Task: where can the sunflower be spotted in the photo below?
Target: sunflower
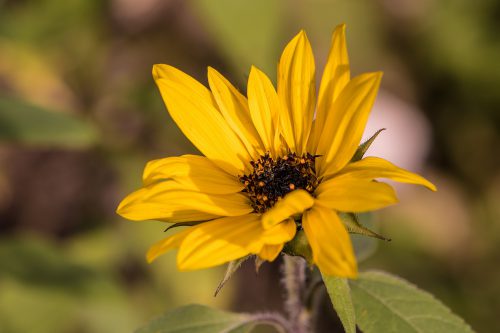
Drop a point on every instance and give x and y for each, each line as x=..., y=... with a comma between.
x=274, y=162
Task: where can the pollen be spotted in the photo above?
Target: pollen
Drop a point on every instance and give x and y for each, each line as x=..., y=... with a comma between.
x=271, y=179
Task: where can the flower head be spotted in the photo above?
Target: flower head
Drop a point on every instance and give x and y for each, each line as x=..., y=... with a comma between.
x=275, y=162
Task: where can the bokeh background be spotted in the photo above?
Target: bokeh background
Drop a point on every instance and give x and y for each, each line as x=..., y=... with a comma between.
x=80, y=116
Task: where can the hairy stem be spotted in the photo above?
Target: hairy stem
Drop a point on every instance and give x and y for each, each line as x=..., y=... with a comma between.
x=294, y=281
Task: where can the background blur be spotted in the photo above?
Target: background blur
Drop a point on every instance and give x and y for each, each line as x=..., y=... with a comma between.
x=80, y=116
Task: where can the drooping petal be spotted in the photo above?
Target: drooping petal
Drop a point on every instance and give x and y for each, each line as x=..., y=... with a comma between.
x=330, y=243
x=217, y=242
x=194, y=172
x=345, y=124
x=371, y=168
x=270, y=252
x=169, y=201
x=293, y=203
x=234, y=107
x=167, y=244
x=296, y=90
x=335, y=77
x=348, y=194
x=193, y=109
x=264, y=105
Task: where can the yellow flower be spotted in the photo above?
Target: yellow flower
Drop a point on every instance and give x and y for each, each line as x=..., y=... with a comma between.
x=271, y=164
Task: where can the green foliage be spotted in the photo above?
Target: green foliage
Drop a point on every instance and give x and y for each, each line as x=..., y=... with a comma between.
x=24, y=123
x=386, y=303
x=244, y=42
x=199, y=319
x=340, y=295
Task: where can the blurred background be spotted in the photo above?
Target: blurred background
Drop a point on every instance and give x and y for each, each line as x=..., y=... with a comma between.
x=80, y=116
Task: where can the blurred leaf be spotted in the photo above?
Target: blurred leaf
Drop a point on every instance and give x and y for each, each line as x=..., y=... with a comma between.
x=247, y=32
x=386, y=303
x=340, y=295
x=43, y=290
x=199, y=319
x=24, y=123
x=27, y=308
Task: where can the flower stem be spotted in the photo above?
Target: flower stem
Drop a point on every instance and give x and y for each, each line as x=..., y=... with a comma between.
x=294, y=281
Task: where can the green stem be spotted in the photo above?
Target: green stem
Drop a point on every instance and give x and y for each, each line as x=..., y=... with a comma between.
x=294, y=281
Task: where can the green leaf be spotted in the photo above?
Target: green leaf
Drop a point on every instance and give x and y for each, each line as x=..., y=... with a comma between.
x=340, y=295
x=199, y=319
x=386, y=303
x=361, y=151
x=25, y=123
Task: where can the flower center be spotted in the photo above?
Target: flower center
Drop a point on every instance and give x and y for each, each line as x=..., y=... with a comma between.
x=272, y=179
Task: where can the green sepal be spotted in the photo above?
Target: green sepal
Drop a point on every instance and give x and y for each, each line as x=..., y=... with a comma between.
x=232, y=267
x=258, y=263
x=184, y=224
x=351, y=222
x=299, y=246
x=361, y=151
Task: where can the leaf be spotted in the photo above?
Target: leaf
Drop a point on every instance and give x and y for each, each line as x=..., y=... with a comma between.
x=199, y=319
x=386, y=303
x=232, y=267
x=340, y=295
x=25, y=123
x=361, y=151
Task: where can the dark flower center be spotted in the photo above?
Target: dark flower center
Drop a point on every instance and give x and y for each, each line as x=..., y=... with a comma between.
x=272, y=179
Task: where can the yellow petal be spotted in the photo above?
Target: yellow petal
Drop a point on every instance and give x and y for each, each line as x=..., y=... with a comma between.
x=193, y=172
x=330, y=243
x=348, y=194
x=270, y=252
x=193, y=109
x=217, y=242
x=335, y=77
x=293, y=203
x=345, y=124
x=234, y=107
x=264, y=105
x=278, y=234
x=169, y=201
x=371, y=168
x=167, y=244
x=296, y=90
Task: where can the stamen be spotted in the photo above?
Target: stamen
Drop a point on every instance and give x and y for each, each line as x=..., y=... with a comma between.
x=272, y=179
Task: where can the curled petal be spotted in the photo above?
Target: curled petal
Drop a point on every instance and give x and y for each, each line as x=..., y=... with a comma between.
x=293, y=203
